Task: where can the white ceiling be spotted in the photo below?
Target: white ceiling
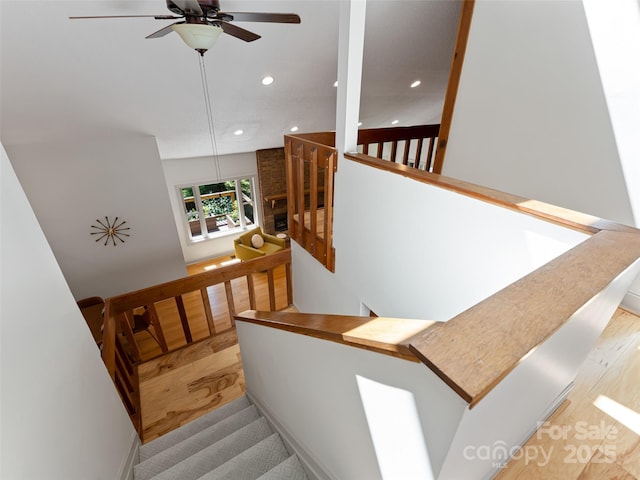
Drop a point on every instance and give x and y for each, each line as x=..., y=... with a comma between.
x=65, y=80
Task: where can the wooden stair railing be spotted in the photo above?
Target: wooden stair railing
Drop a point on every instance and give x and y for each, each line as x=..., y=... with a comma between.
x=310, y=168
x=311, y=161
x=412, y=140
x=121, y=352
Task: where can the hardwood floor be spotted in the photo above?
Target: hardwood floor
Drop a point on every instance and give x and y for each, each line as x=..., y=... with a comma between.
x=181, y=386
x=595, y=434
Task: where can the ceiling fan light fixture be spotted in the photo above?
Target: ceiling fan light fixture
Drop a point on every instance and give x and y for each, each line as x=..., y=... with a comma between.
x=198, y=36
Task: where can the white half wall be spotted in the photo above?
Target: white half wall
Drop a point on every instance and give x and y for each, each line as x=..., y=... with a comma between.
x=200, y=170
x=71, y=184
x=315, y=390
x=406, y=249
x=530, y=116
x=61, y=416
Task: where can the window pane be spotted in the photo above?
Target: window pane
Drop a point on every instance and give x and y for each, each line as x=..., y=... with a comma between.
x=248, y=214
x=219, y=206
x=191, y=211
x=245, y=186
x=217, y=202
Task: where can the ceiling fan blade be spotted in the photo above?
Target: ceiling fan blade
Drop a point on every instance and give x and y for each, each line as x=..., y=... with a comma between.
x=163, y=31
x=238, y=32
x=190, y=7
x=157, y=17
x=264, y=17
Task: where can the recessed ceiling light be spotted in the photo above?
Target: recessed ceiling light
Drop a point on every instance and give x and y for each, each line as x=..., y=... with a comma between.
x=238, y=132
x=395, y=122
x=359, y=124
x=268, y=80
x=335, y=84
x=294, y=129
x=415, y=84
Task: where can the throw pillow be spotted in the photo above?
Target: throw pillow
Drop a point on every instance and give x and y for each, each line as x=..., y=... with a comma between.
x=257, y=241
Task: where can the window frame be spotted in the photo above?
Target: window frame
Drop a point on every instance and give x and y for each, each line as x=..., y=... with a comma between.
x=197, y=199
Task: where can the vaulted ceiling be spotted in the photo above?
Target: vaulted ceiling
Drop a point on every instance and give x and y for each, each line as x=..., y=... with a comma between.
x=73, y=80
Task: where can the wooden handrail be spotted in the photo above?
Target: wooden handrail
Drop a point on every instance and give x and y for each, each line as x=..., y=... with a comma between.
x=471, y=352
x=395, y=135
x=120, y=352
x=559, y=215
x=377, y=334
x=172, y=289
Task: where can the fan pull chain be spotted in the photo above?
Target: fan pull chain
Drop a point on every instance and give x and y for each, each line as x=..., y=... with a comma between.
x=207, y=102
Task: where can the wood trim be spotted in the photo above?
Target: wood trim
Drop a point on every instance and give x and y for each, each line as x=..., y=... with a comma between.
x=272, y=289
x=147, y=296
x=157, y=327
x=230, y=303
x=125, y=320
x=109, y=341
x=472, y=353
x=559, y=215
x=206, y=302
x=397, y=134
x=329, y=252
x=464, y=25
x=289, y=277
x=184, y=321
x=251, y=289
x=382, y=335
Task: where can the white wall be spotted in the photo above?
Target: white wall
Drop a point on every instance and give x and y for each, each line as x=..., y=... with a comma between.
x=530, y=116
x=615, y=30
x=410, y=250
x=70, y=185
x=199, y=170
x=61, y=416
x=322, y=404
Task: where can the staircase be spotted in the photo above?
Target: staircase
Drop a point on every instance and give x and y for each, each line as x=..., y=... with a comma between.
x=231, y=442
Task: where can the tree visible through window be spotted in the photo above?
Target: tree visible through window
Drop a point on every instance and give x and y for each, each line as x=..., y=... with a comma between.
x=218, y=207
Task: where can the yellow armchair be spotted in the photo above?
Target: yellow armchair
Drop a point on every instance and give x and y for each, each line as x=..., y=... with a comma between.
x=247, y=246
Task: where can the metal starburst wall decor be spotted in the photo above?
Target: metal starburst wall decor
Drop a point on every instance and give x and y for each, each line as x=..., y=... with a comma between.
x=110, y=231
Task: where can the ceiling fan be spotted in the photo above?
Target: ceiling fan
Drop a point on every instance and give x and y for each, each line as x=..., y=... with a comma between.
x=203, y=22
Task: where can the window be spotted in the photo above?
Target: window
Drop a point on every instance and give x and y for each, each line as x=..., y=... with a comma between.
x=215, y=208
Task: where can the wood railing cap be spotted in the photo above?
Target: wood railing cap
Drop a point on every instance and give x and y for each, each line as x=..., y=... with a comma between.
x=475, y=350
x=383, y=335
x=173, y=288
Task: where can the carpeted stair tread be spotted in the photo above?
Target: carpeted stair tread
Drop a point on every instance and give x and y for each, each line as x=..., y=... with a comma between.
x=290, y=469
x=253, y=462
x=167, y=458
x=218, y=453
x=156, y=446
